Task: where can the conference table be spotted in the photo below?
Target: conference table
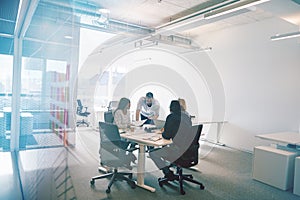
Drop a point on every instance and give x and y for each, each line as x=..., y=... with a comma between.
x=143, y=138
x=220, y=124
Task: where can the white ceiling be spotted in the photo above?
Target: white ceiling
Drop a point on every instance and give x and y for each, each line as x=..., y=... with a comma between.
x=155, y=13
x=150, y=13
x=153, y=17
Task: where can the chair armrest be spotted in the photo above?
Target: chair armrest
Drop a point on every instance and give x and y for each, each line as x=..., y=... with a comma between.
x=132, y=149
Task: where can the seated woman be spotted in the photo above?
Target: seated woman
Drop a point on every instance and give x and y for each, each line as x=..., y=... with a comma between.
x=177, y=125
x=122, y=117
x=183, y=106
x=122, y=114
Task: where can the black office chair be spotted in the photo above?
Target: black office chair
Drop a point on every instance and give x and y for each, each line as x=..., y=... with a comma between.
x=82, y=112
x=108, y=115
x=112, y=105
x=109, y=118
x=188, y=159
x=114, y=153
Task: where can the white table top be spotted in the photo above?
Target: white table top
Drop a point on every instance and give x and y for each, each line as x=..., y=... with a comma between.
x=284, y=137
x=208, y=122
x=142, y=137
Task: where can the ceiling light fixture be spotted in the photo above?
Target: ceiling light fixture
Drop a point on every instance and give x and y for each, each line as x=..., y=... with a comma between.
x=142, y=44
x=206, y=49
x=285, y=36
x=104, y=11
x=68, y=37
x=232, y=8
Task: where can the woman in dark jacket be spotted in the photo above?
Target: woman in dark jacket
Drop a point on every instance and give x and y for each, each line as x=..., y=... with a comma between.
x=177, y=125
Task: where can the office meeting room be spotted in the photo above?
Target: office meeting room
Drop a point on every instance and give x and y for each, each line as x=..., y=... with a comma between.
x=150, y=99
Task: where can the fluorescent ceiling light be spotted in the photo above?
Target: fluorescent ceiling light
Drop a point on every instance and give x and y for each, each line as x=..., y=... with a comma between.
x=206, y=49
x=104, y=11
x=68, y=37
x=142, y=44
x=285, y=36
x=232, y=8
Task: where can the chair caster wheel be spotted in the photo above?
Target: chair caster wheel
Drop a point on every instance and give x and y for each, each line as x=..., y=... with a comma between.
x=133, y=185
x=130, y=176
x=92, y=182
x=160, y=182
x=107, y=190
x=202, y=187
x=182, y=192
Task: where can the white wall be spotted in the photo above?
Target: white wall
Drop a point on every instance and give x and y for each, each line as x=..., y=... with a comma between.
x=261, y=80
x=191, y=76
x=161, y=68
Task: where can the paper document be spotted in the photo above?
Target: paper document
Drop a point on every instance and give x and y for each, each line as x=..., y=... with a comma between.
x=138, y=123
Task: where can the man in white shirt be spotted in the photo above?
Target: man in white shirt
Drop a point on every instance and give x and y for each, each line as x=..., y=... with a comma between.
x=148, y=108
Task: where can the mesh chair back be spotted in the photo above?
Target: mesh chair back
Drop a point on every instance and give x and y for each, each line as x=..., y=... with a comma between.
x=108, y=116
x=109, y=132
x=79, y=107
x=190, y=156
x=112, y=105
x=112, y=148
x=79, y=103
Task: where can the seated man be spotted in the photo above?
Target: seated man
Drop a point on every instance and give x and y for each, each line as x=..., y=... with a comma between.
x=177, y=125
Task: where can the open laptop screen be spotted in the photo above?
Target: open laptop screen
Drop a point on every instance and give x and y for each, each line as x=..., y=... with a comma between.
x=159, y=123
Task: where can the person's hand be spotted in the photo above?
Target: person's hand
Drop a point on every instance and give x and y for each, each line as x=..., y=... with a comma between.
x=160, y=131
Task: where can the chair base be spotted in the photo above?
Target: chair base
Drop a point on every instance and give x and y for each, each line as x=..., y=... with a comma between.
x=180, y=177
x=104, y=169
x=78, y=123
x=115, y=175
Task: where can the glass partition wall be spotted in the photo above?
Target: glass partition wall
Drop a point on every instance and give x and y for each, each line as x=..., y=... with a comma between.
x=48, y=71
x=6, y=66
x=45, y=104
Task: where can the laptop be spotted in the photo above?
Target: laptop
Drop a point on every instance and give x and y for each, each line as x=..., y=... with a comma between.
x=159, y=123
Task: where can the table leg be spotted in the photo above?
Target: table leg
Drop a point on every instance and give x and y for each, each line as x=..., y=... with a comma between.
x=219, y=127
x=141, y=169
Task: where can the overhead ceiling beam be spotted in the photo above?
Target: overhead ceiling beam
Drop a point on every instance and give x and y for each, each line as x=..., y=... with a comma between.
x=90, y=10
x=5, y=35
x=25, y=13
x=49, y=42
x=72, y=7
x=232, y=8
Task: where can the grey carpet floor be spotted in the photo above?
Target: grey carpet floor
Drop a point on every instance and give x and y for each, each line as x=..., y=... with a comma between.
x=64, y=173
x=225, y=172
